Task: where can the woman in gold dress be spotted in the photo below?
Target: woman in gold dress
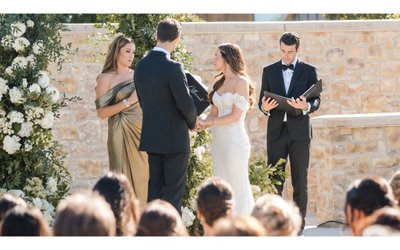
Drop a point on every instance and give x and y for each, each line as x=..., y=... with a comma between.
x=116, y=100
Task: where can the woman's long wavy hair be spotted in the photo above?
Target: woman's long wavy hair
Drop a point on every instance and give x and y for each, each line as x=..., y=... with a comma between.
x=118, y=192
x=110, y=65
x=232, y=55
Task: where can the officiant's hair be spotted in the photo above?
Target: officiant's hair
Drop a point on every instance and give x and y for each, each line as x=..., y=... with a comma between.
x=84, y=214
x=215, y=200
x=160, y=218
x=24, y=221
x=395, y=184
x=168, y=30
x=110, y=64
x=290, y=38
x=233, y=55
x=8, y=202
x=118, y=192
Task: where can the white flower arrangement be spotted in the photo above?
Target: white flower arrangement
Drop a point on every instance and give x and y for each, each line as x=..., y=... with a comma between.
x=199, y=151
x=187, y=216
x=7, y=41
x=16, y=96
x=47, y=121
x=37, y=48
x=11, y=144
x=55, y=94
x=20, y=62
x=30, y=23
x=35, y=88
x=16, y=117
x=43, y=79
x=26, y=129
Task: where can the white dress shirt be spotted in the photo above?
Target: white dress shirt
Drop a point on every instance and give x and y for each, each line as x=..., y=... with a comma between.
x=163, y=50
x=287, y=77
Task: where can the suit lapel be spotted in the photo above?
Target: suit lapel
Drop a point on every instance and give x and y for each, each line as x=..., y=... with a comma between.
x=296, y=74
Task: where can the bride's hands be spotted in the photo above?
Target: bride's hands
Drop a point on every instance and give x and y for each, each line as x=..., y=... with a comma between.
x=206, y=122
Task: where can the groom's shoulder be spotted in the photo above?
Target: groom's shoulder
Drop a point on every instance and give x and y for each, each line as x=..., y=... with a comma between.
x=272, y=66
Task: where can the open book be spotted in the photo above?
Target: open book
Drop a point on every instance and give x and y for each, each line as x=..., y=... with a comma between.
x=312, y=92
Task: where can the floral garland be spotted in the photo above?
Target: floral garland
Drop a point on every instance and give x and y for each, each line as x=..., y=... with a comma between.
x=32, y=161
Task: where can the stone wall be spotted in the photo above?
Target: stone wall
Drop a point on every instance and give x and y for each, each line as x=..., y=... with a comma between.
x=357, y=60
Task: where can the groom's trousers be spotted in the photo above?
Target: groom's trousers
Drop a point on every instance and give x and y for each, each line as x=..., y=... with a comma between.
x=168, y=177
x=299, y=155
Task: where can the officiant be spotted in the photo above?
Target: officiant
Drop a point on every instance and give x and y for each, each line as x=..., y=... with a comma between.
x=289, y=134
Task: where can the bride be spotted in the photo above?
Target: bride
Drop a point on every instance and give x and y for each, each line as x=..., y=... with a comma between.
x=231, y=98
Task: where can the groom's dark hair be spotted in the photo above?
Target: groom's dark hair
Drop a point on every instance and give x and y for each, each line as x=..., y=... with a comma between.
x=290, y=38
x=168, y=30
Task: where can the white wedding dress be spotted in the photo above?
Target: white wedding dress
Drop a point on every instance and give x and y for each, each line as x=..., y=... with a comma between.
x=230, y=151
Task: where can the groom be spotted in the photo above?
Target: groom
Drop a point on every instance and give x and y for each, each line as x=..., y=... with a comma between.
x=168, y=114
x=288, y=134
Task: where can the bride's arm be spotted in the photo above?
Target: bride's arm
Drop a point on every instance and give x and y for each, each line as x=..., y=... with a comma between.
x=242, y=89
x=103, y=86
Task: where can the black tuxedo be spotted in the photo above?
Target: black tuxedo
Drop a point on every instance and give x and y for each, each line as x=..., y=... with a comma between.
x=168, y=113
x=293, y=136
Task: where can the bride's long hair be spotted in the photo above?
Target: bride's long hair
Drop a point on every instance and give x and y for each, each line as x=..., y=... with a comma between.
x=232, y=54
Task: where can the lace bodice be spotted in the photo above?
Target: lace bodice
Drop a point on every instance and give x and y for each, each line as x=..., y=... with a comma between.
x=225, y=102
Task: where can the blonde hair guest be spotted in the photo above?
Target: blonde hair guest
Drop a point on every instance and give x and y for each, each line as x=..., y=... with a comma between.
x=117, y=100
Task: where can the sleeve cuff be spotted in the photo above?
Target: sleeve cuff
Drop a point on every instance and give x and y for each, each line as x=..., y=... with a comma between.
x=265, y=112
x=306, y=111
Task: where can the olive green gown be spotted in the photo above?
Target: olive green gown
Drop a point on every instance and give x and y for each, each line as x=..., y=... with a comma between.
x=124, y=131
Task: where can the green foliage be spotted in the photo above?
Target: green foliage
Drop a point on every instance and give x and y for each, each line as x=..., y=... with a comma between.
x=32, y=161
x=362, y=16
x=141, y=28
x=265, y=176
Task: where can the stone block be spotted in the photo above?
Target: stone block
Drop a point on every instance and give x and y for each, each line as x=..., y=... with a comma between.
x=68, y=133
x=366, y=134
x=393, y=137
x=89, y=168
x=363, y=147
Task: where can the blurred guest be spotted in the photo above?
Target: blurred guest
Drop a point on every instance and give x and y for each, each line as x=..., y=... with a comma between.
x=238, y=226
x=24, y=221
x=7, y=202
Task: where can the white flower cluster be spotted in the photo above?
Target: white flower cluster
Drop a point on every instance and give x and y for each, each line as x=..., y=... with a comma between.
x=199, y=151
x=187, y=216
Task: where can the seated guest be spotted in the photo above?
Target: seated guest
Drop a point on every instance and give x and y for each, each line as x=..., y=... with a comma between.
x=214, y=201
x=395, y=184
x=118, y=192
x=238, y=226
x=279, y=217
x=84, y=214
x=7, y=202
x=365, y=196
x=383, y=222
x=24, y=221
x=160, y=218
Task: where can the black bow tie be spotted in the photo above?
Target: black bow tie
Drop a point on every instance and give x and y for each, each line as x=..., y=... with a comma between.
x=285, y=67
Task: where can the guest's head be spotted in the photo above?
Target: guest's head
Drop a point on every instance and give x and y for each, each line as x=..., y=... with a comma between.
x=238, y=226
x=24, y=221
x=383, y=222
x=363, y=197
x=7, y=202
x=160, y=218
x=168, y=33
x=214, y=200
x=289, y=46
x=118, y=192
x=229, y=58
x=395, y=184
x=120, y=54
x=84, y=214
x=279, y=217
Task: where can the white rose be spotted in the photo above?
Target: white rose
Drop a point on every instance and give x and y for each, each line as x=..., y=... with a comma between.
x=187, y=216
x=7, y=41
x=30, y=23
x=255, y=189
x=47, y=121
x=3, y=86
x=35, y=88
x=17, y=29
x=38, y=203
x=37, y=48
x=55, y=94
x=11, y=144
x=20, y=44
x=43, y=79
x=31, y=60
x=24, y=82
x=9, y=70
x=16, y=95
x=51, y=185
x=2, y=112
x=47, y=206
x=16, y=117
x=16, y=192
x=19, y=61
x=26, y=129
